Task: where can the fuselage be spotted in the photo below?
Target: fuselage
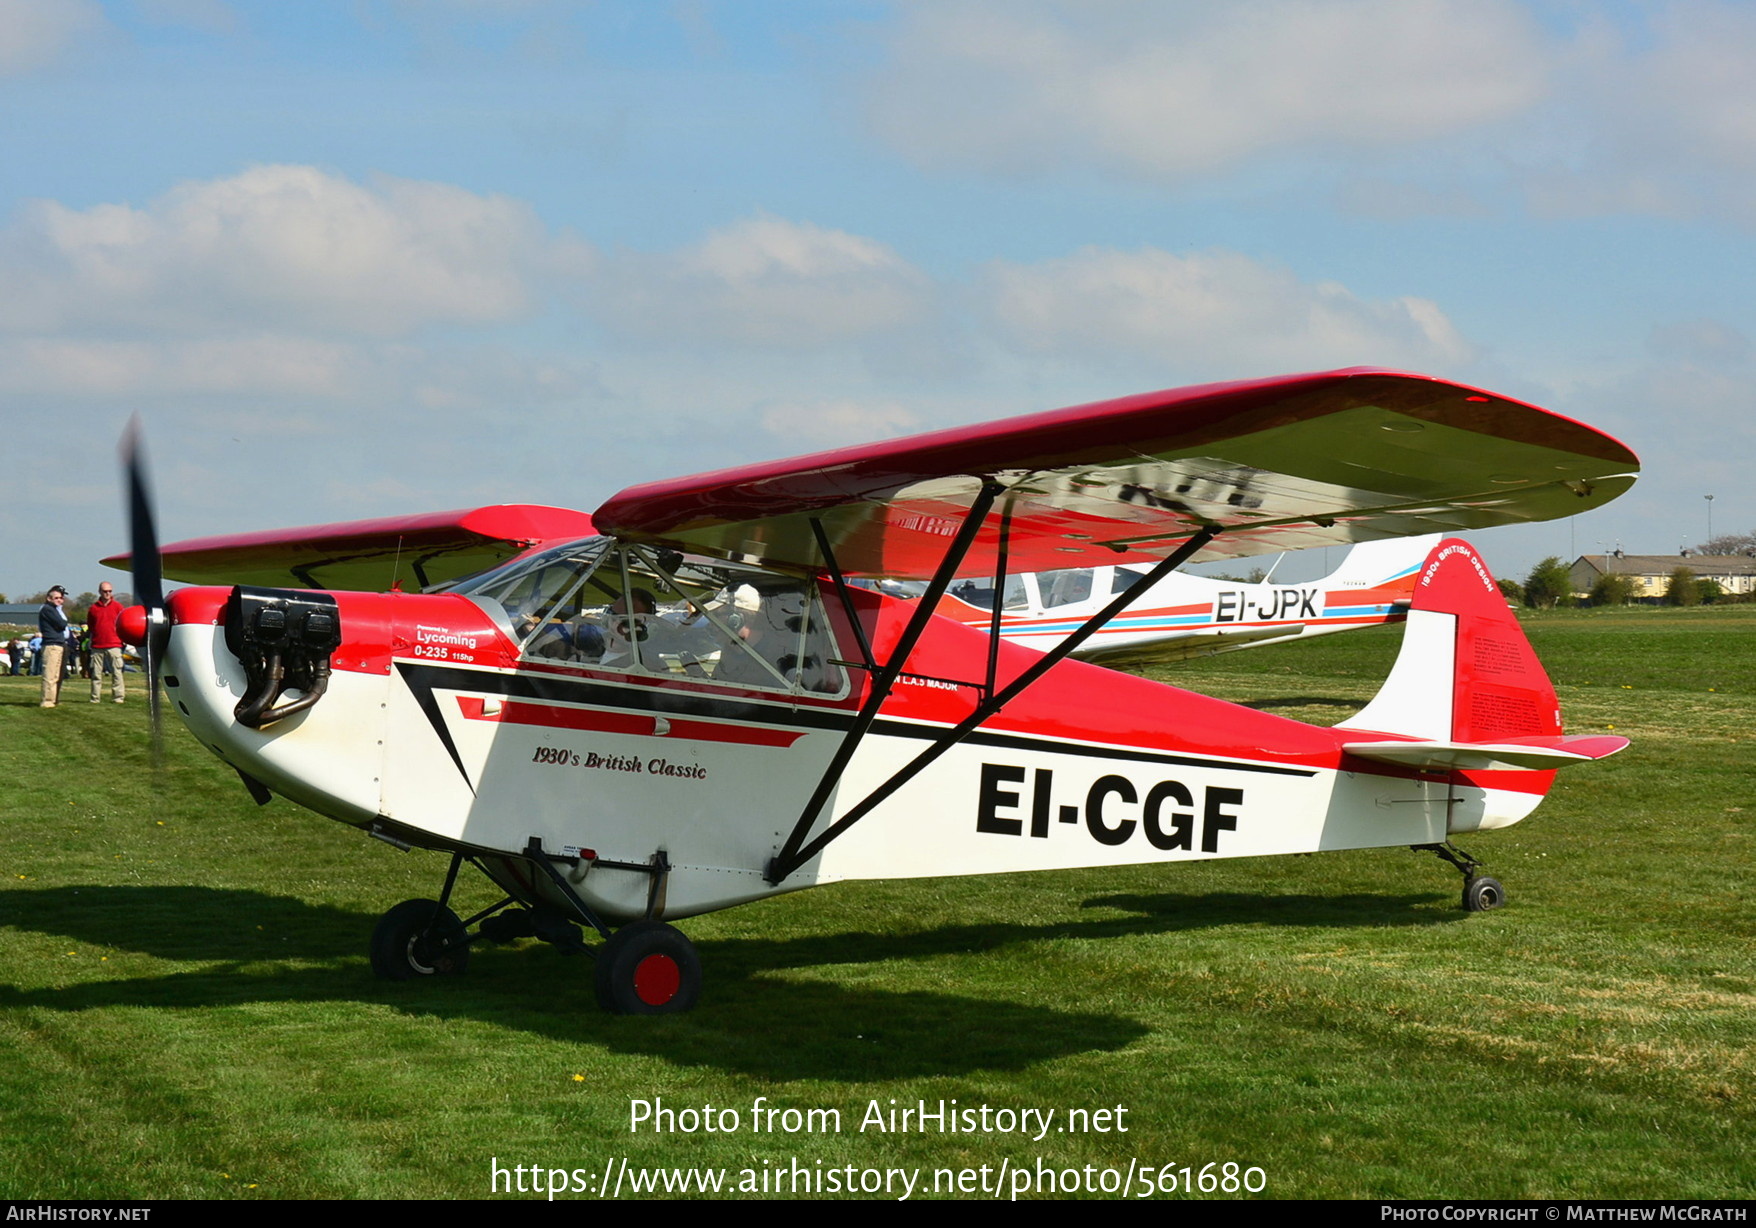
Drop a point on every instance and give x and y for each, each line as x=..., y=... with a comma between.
x=628, y=711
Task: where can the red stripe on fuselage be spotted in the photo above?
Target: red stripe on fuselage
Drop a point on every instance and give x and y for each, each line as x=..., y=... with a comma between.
x=599, y=720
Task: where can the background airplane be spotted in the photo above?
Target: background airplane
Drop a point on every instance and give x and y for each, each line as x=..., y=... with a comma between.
x=1184, y=616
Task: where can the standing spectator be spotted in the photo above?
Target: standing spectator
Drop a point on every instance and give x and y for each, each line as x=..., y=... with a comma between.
x=103, y=625
x=52, y=624
x=17, y=657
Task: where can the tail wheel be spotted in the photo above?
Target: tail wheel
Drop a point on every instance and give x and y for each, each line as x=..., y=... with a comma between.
x=648, y=968
x=1480, y=894
x=418, y=938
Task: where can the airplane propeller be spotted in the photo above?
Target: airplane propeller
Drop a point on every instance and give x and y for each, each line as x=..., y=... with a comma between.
x=151, y=627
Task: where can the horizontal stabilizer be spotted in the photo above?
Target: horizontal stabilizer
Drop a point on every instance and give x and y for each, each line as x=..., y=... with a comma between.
x=1514, y=754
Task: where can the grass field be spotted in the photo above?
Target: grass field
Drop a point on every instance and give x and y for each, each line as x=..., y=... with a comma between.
x=186, y=1009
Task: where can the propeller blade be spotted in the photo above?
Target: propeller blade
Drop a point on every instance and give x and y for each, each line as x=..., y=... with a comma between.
x=143, y=537
x=148, y=571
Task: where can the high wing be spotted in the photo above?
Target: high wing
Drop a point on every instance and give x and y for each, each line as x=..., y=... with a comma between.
x=371, y=555
x=1276, y=464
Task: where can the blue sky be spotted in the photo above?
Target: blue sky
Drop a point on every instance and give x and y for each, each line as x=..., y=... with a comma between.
x=355, y=258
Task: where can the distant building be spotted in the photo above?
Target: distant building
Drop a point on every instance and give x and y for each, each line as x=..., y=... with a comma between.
x=1651, y=573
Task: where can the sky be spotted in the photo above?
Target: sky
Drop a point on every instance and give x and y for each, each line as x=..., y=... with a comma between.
x=352, y=258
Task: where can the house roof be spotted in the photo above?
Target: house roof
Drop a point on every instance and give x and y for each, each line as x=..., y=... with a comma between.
x=1665, y=564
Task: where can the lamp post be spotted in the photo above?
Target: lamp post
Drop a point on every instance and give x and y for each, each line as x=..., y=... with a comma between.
x=1709, y=499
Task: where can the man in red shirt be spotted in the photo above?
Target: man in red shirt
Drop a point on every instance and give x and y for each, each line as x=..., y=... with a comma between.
x=106, y=643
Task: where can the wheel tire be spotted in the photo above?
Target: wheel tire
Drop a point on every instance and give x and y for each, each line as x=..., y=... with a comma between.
x=648, y=968
x=1483, y=894
x=408, y=942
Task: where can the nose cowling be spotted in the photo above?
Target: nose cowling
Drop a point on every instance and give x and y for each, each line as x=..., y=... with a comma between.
x=283, y=639
x=329, y=754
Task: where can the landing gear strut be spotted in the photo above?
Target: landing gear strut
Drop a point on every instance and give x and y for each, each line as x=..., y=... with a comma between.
x=1480, y=893
x=644, y=968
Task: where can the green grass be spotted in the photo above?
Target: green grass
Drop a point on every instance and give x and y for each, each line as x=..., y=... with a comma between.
x=186, y=1008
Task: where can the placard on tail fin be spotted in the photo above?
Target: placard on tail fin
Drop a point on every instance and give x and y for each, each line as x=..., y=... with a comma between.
x=1467, y=685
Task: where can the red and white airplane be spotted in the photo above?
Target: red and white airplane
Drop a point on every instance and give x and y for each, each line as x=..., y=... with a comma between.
x=697, y=707
x=1184, y=616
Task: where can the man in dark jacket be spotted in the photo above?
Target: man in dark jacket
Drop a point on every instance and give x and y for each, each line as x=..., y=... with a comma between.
x=52, y=624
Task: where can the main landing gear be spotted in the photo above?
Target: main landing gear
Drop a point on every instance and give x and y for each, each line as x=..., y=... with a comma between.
x=419, y=938
x=1480, y=893
x=644, y=968
x=647, y=968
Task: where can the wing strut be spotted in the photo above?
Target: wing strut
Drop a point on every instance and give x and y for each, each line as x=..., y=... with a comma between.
x=997, y=611
x=788, y=859
x=841, y=591
x=795, y=853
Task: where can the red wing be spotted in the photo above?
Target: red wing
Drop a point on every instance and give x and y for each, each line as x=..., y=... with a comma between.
x=1280, y=464
x=369, y=555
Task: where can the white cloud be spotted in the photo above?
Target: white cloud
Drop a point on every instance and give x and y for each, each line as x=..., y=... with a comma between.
x=1437, y=105
x=34, y=33
x=114, y=369
x=1694, y=96
x=1177, y=89
x=831, y=424
x=283, y=247
x=1213, y=312
x=311, y=372
x=1656, y=116
x=765, y=282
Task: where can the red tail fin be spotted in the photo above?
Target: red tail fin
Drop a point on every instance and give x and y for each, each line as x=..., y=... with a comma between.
x=1466, y=672
x=1502, y=690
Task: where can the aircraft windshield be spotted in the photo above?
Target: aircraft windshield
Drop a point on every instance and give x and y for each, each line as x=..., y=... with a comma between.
x=655, y=611
x=1126, y=578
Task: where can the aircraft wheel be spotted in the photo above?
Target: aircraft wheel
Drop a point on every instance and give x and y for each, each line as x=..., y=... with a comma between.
x=648, y=968
x=1482, y=894
x=409, y=942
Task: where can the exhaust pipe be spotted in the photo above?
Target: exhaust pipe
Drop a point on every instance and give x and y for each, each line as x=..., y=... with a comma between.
x=283, y=639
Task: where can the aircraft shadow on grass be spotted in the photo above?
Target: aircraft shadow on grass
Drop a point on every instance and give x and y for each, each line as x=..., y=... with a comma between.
x=787, y=1027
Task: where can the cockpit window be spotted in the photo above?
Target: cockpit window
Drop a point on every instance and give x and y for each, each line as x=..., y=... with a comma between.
x=981, y=593
x=655, y=611
x=1126, y=578
x=1059, y=588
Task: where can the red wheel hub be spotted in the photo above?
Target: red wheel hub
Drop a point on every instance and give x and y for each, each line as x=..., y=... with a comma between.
x=656, y=979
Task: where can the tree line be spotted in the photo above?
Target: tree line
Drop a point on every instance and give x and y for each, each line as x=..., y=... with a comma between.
x=76, y=608
x=1550, y=584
